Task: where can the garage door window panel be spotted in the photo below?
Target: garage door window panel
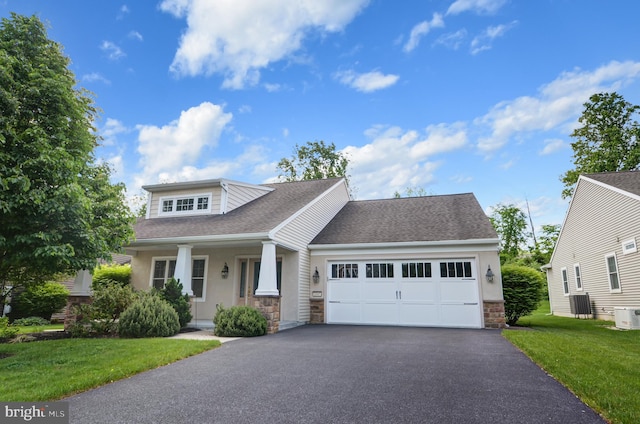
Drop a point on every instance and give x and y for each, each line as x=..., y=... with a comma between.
x=379, y=270
x=460, y=269
x=416, y=270
x=344, y=271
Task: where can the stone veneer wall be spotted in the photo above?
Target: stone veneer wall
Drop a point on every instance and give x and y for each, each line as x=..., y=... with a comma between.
x=72, y=302
x=317, y=311
x=494, y=314
x=270, y=308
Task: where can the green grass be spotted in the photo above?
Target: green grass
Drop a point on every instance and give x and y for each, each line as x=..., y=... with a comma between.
x=49, y=370
x=24, y=329
x=600, y=365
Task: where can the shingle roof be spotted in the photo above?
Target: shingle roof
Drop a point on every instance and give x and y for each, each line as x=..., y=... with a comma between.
x=628, y=181
x=430, y=218
x=258, y=216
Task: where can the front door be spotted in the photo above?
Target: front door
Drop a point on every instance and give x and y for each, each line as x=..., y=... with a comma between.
x=248, y=283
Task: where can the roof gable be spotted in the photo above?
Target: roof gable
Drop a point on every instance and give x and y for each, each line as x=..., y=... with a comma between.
x=429, y=218
x=627, y=181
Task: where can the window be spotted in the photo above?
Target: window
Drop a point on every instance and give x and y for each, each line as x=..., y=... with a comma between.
x=612, y=271
x=416, y=270
x=629, y=246
x=165, y=268
x=455, y=269
x=379, y=270
x=344, y=271
x=576, y=268
x=565, y=281
x=199, y=203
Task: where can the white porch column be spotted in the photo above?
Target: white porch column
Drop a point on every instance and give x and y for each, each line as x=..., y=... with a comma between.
x=268, y=279
x=82, y=284
x=183, y=268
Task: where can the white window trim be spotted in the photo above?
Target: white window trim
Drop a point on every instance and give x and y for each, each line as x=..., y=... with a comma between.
x=578, y=271
x=173, y=258
x=606, y=262
x=564, y=277
x=631, y=249
x=195, y=211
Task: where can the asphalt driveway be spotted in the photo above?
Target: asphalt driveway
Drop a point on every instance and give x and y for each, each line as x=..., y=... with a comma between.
x=342, y=374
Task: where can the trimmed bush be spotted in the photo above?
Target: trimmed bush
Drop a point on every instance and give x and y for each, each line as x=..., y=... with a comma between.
x=104, y=274
x=31, y=322
x=239, y=321
x=100, y=317
x=150, y=316
x=172, y=293
x=7, y=331
x=39, y=300
x=522, y=288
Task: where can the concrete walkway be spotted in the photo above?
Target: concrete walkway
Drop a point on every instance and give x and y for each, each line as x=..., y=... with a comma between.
x=343, y=374
x=203, y=335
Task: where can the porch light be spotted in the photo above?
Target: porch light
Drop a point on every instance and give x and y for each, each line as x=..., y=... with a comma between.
x=316, y=276
x=489, y=274
x=225, y=271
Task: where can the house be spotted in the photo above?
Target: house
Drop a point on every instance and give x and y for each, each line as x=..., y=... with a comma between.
x=596, y=252
x=304, y=252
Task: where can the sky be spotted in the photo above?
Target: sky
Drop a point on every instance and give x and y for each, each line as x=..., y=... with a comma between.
x=444, y=96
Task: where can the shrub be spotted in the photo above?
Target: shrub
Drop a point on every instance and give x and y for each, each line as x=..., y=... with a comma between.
x=39, y=300
x=149, y=316
x=7, y=331
x=522, y=287
x=105, y=274
x=100, y=318
x=31, y=322
x=172, y=294
x=239, y=321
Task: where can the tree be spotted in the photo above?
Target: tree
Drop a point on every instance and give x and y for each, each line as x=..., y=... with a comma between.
x=59, y=212
x=510, y=223
x=314, y=161
x=607, y=141
x=543, y=249
x=411, y=192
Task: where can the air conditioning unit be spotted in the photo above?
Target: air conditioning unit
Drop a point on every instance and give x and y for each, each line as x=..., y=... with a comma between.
x=627, y=318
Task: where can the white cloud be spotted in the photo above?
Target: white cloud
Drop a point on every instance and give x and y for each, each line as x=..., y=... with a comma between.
x=285, y=132
x=179, y=144
x=95, y=77
x=110, y=131
x=124, y=10
x=135, y=35
x=452, y=40
x=405, y=157
x=484, y=41
x=552, y=145
x=367, y=82
x=112, y=50
x=478, y=6
x=420, y=30
x=237, y=38
x=557, y=103
x=272, y=88
x=244, y=109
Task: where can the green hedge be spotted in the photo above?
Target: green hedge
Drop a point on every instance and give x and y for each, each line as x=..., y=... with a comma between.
x=149, y=316
x=39, y=300
x=239, y=321
x=522, y=288
x=104, y=274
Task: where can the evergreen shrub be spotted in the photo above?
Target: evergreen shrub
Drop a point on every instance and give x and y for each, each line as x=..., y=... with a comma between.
x=522, y=288
x=39, y=300
x=239, y=321
x=149, y=316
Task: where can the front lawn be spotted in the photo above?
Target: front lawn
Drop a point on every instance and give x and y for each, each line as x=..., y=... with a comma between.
x=25, y=329
x=49, y=370
x=599, y=364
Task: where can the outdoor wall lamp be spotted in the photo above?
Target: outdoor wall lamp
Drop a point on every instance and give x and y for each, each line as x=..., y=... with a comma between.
x=225, y=271
x=489, y=274
x=316, y=276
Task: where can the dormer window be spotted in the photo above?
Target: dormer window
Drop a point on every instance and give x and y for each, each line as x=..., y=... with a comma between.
x=185, y=205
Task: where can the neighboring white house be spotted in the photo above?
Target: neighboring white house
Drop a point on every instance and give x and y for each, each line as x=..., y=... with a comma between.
x=303, y=252
x=596, y=252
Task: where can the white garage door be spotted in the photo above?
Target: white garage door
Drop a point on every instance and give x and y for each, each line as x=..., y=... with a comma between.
x=414, y=292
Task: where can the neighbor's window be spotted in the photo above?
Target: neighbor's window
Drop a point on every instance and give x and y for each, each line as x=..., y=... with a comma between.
x=565, y=280
x=200, y=203
x=455, y=269
x=344, y=271
x=416, y=270
x=612, y=271
x=629, y=246
x=576, y=269
x=164, y=269
x=379, y=270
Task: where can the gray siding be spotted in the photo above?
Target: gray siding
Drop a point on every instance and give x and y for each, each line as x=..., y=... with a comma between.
x=240, y=194
x=299, y=232
x=598, y=221
x=214, y=191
